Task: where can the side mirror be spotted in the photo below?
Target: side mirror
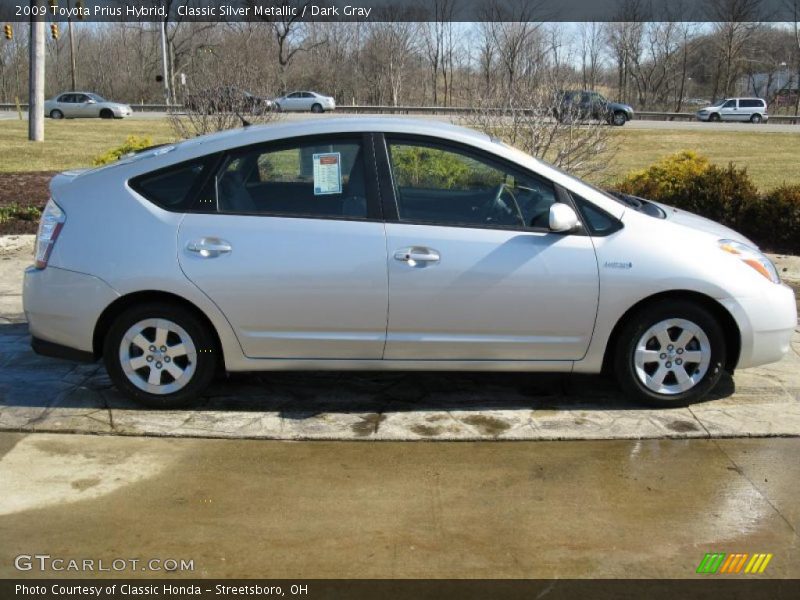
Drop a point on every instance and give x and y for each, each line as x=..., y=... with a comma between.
x=562, y=218
x=91, y=101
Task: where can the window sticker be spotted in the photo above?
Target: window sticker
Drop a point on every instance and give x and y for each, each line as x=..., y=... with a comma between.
x=327, y=173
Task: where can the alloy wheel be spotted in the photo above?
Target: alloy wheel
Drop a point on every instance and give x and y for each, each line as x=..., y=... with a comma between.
x=158, y=356
x=672, y=356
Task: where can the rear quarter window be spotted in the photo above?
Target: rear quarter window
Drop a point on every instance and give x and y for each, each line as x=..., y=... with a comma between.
x=171, y=188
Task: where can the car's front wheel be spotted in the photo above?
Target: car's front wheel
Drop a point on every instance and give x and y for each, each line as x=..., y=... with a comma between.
x=670, y=353
x=160, y=355
x=317, y=108
x=619, y=118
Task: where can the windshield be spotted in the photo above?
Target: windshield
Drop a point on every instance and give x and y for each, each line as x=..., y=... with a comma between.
x=97, y=98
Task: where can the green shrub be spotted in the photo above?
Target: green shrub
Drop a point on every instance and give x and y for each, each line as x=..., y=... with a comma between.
x=689, y=181
x=132, y=144
x=773, y=220
x=17, y=212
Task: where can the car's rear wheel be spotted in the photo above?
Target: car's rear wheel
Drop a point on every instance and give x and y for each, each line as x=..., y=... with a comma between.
x=714, y=118
x=317, y=108
x=56, y=114
x=756, y=119
x=670, y=354
x=160, y=355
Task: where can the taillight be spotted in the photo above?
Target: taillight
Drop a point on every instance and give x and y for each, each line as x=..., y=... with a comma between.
x=49, y=227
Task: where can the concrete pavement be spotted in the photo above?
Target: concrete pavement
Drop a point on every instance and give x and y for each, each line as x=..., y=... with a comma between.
x=237, y=508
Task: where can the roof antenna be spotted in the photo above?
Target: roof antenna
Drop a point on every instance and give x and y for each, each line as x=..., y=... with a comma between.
x=245, y=122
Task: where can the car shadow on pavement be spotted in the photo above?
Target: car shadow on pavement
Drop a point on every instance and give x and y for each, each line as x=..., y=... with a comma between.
x=27, y=379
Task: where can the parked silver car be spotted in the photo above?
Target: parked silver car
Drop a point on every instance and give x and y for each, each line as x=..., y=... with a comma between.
x=304, y=101
x=736, y=109
x=76, y=105
x=384, y=243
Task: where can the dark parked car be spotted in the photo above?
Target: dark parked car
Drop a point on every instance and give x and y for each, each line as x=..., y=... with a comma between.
x=581, y=105
x=226, y=99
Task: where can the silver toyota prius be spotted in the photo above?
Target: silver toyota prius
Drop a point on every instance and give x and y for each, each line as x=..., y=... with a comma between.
x=386, y=243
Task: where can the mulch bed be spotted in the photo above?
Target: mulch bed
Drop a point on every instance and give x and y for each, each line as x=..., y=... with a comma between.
x=26, y=189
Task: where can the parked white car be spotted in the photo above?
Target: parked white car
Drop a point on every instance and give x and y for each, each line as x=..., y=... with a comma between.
x=736, y=109
x=79, y=105
x=304, y=102
x=385, y=243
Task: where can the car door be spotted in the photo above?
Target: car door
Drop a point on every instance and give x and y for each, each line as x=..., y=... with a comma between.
x=474, y=273
x=84, y=108
x=292, y=101
x=288, y=242
x=66, y=104
x=729, y=111
x=307, y=100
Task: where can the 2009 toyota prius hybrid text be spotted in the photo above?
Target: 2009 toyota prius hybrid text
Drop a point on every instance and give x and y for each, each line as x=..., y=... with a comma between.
x=388, y=244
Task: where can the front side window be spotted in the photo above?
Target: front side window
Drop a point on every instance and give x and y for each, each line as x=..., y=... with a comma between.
x=308, y=178
x=729, y=104
x=443, y=185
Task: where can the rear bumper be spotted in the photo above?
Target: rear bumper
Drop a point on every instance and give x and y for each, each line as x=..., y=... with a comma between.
x=62, y=308
x=767, y=323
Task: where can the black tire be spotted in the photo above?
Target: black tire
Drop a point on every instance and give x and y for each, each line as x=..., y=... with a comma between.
x=316, y=108
x=278, y=108
x=56, y=114
x=638, y=325
x=106, y=114
x=619, y=118
x=207, y=356
x=714, y=118
x=756, y=119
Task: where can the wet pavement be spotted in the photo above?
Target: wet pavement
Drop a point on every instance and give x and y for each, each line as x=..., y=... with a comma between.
x=50, y=395
x=255, y=508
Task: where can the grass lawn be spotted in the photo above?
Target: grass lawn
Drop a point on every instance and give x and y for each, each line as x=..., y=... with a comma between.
x=71, y=143
x=770, y=158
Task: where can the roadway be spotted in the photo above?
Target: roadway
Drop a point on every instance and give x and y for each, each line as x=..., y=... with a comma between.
x=635, y=124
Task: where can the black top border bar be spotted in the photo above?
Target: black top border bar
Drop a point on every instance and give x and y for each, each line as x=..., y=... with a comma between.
x=153, y=11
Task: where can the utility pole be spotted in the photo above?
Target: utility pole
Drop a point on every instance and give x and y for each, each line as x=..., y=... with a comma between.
x=164, y=66
x=36, y=77
x=71, y=46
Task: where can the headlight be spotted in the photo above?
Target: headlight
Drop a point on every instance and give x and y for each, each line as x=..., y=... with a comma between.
x=752, y=258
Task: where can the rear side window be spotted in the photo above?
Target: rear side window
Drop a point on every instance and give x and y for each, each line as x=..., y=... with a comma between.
x=751, y=103
x=170, y=188
x=300, y=178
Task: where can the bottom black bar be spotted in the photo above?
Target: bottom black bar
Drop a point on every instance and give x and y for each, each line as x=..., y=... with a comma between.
x=54, y=350
x=711, y=588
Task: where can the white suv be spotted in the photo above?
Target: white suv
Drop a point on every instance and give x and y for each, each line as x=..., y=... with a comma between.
x=736, y=109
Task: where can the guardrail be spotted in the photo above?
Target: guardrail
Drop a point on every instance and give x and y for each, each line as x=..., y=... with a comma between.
x=443, y=110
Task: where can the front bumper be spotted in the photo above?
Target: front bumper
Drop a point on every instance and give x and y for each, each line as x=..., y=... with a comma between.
x=62, y=307
x=766, y=323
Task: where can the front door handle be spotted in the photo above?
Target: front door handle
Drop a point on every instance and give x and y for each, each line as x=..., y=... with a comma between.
x=209, y=247
x=417, y=255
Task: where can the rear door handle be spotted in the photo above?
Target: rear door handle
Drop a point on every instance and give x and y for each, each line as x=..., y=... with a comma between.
x=209, y=247
x=415, y=255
